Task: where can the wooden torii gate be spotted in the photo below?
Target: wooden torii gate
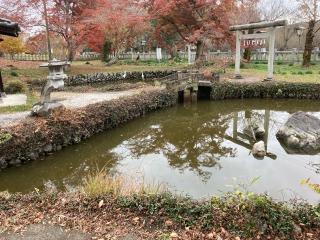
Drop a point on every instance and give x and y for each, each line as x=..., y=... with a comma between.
x=270, y=35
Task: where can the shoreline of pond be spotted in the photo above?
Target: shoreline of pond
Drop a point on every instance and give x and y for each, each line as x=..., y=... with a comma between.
x=160, y=215
x=38, y=137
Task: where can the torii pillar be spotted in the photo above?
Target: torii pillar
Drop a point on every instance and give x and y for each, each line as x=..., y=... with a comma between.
x=270, y=35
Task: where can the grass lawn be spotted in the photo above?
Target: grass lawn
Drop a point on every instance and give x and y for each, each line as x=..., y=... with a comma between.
x=283, y=72
x=33, y=71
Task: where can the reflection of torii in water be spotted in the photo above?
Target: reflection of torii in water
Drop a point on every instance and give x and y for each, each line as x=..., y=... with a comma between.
x=238, y=136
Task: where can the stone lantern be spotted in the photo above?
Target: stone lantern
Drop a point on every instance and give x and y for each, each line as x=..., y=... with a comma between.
x=55, y=81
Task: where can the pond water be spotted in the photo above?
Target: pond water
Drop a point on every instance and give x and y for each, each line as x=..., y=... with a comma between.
x=199, y=150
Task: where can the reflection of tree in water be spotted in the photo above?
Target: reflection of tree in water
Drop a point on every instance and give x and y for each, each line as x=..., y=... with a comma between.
x=189, y=141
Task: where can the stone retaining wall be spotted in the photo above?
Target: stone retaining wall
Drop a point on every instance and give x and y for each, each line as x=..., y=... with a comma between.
x=226, y=90
x=39, y=136
x=99, y=78
x=105, y=78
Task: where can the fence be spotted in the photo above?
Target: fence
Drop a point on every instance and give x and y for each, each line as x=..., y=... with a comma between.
x=45, y=58
x=280, y=56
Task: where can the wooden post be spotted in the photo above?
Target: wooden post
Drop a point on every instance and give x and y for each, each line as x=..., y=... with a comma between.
x=272, y=38
x=235, y=125
x=187, y=95
x=238, y=55
x=189, y=54
x=1, y=86
x=266, y=127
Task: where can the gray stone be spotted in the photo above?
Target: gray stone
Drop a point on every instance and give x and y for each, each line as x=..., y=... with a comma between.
x=43, y=110
x=34, y=155
x=300, y=134
x=297, y=229
x=15, y=162
x=48, y=148
x=259, y=150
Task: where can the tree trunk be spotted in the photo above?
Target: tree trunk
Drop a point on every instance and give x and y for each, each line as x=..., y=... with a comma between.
x=1, y=84
x=70, y=51
x=247, y=51
x=309, y=44
x=200, y=47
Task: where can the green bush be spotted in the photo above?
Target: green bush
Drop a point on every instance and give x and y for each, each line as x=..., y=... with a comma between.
x=37, y=82
x=279, y=63
x=14, y=74
x=309, y=72
x=290, y=64
x=300, y=73
x=13, y=87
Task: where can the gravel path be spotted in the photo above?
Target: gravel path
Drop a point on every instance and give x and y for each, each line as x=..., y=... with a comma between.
x=45, y=232
x=12, y=118
x=76, y=100
x=13, y=100
x=72, y=100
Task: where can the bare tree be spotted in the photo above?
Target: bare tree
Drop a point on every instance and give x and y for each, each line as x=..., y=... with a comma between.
x=309, y=11
x=271, y=10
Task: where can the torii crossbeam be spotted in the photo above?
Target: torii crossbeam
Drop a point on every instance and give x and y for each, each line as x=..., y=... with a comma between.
x=270, y=35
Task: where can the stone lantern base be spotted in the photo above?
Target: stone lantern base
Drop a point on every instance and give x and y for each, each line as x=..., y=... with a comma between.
x=45, y=109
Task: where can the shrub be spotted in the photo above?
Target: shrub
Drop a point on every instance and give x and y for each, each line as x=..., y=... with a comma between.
x=14, y=74
x=4, y=137
x=14, y=87
x=290, y=64
x=37, y=82
x=309, y=72
x=300, y=73
x=279, y=63
x=99, y=183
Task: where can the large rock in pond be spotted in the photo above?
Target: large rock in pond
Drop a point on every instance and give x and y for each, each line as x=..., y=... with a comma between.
x=300, y=134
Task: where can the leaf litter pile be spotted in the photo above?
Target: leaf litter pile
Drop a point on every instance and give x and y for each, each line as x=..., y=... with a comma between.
x=161, y=216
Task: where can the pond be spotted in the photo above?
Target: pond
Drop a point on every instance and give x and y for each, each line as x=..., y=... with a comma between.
x=195, y=149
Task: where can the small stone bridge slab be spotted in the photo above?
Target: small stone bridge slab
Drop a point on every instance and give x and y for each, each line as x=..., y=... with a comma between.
x=181, y=81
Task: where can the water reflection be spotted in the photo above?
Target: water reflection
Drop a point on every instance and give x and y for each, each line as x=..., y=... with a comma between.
x=194, y=142
x=197, y=149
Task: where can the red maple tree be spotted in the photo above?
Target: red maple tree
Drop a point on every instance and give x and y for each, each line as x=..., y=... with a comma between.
x=192, y=21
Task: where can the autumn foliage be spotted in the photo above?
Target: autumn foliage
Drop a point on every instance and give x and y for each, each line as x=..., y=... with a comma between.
x=125, y=23
x=11, y=46
x=191, y=21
